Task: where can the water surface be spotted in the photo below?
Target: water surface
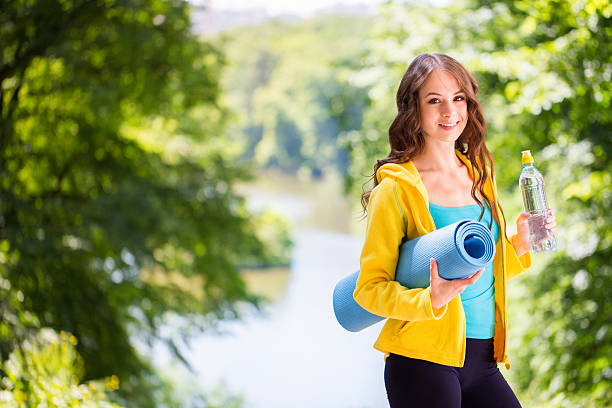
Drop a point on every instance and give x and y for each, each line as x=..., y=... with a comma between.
x=295, y=354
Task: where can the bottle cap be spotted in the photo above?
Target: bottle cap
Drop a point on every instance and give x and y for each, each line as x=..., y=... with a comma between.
x=527, y=158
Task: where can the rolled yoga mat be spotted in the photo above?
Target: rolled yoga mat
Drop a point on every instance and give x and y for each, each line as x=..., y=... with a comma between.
x=460, y=249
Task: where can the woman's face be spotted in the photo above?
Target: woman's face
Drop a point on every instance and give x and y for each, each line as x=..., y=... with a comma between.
x=443, y=107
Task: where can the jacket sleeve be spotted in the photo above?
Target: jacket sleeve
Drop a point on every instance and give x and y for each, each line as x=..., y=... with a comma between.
x=376, y=289
x=515, y=265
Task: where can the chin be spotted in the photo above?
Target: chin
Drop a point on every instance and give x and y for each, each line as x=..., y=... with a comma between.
x=448, y=137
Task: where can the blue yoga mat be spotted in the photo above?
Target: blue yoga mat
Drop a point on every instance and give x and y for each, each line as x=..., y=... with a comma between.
x=460, y=249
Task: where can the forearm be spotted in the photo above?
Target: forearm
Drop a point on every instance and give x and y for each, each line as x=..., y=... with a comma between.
x=390, y=299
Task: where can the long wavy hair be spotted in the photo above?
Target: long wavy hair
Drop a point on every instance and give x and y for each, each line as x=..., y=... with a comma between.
x=406, y=136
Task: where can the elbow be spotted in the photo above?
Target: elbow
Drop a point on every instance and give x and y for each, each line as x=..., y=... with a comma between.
x=366, y=295
x=358, y=295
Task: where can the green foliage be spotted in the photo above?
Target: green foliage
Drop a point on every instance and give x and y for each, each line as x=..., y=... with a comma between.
x=290, y=88
x=117, y=207
x=46, y=371
x=562, y=109
x=185, y=391
x=273, y=230
x=544, y=69
x=43, y=368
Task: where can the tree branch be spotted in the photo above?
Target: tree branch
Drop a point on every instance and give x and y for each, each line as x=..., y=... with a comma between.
x=12, y=105
x=52, y=33
x=1, y=99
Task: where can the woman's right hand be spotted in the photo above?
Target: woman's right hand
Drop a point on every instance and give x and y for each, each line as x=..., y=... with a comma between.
x=443, y=290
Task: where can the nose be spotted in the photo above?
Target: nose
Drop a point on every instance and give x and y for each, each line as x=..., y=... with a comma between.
x=447, y=110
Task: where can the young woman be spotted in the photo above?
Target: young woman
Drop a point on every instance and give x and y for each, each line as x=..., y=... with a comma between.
x=442, y=343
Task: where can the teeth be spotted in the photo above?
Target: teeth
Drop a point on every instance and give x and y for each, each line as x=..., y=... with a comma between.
x=448, y=124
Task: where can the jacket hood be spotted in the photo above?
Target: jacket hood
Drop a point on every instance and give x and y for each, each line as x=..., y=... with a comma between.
x=405, y=172
x=408, y=172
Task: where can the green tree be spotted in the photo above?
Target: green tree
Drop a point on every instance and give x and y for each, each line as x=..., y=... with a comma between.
x=117, y=208
x=45, y=371
x=558, y=91
x=288, y=84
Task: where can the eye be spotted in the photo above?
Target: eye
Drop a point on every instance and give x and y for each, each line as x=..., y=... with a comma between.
x=433, y=100
x=460, y=98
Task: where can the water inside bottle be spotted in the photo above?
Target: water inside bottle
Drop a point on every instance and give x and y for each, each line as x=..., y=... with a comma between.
x=534, y=197
x=540, y=238
x=531, y=184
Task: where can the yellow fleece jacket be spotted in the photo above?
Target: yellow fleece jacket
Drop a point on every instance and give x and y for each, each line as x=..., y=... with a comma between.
x=397, y=208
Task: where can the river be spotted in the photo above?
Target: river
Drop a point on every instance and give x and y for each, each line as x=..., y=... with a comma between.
x=295, y=354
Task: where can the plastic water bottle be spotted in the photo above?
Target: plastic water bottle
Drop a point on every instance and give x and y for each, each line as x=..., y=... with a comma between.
x=531, y=184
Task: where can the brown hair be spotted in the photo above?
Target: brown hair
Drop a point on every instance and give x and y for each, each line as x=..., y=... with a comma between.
x=406, y=136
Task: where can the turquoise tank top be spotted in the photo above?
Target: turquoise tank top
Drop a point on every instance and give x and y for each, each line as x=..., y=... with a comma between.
x=477, y=299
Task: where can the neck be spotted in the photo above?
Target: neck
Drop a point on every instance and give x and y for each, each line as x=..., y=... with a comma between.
x=437, y=157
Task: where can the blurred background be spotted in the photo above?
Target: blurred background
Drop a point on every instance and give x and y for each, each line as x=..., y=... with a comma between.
x=180, y=191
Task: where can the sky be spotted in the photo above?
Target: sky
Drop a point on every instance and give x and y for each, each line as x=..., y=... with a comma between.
x=275, y=7
x=299, y=7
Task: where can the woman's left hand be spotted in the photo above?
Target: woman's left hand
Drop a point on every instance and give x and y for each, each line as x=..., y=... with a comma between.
x=521, y=241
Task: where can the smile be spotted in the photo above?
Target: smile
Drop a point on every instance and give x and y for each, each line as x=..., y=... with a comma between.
x=448, y=126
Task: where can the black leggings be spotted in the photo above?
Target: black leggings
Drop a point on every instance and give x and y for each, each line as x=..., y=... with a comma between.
x=413, y=383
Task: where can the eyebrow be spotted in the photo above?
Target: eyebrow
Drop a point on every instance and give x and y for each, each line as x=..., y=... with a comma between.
x=434, y=93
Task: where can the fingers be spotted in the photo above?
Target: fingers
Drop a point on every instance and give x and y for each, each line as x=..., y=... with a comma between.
x=442, y=290
x=472, y=279
x=551, y=221
x=436, y=302
x=474, y=274
x=523, y=217
x=433, y=270
x=462, y=284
